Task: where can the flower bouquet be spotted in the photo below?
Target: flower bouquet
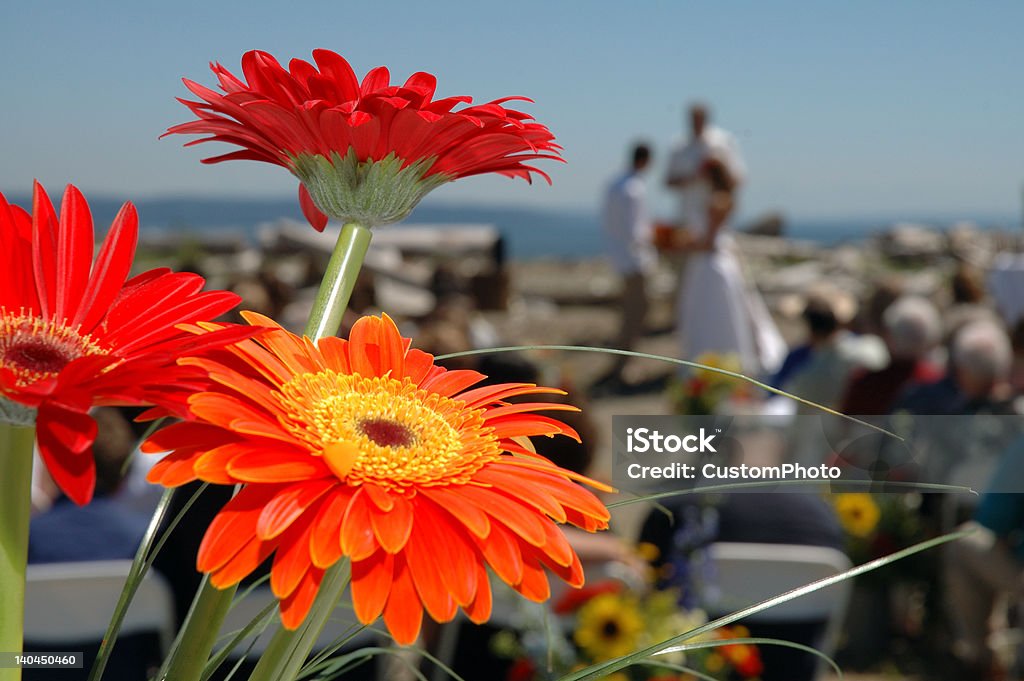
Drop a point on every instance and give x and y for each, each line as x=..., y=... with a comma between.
x=604, y=621
x=702, y=392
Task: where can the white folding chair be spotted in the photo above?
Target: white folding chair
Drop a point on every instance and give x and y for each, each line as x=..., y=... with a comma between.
x=73, y=602
x=747, y=573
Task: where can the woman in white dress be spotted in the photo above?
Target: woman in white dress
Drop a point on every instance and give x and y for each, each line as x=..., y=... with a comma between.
x=718, y=311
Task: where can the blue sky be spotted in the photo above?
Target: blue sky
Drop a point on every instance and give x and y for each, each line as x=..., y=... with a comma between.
x=841, y=108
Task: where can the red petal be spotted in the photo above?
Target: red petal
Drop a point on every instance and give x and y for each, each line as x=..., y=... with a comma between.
x=44, y=248
x=316, y=217
x=65, y=436
x=74, y=252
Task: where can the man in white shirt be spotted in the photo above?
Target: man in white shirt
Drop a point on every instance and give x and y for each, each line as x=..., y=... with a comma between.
x=628, y=235
x=686, y=166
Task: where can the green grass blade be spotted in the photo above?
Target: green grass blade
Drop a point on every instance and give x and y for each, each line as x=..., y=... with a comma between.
x=758, y=641
x=260, y=622
x=131, y=585
x=855, y=484
x=669, y=360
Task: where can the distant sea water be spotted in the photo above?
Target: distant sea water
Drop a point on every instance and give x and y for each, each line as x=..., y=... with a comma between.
x=530, y=232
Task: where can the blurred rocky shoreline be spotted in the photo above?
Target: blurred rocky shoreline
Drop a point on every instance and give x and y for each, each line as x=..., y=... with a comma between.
x=551, y=300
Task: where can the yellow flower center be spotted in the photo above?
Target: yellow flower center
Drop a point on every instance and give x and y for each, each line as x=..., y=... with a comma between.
x=35, y=349
x=385, y=430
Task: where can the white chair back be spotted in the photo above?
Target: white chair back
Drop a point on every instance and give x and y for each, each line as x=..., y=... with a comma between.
x=72, y=602
x=747, y=573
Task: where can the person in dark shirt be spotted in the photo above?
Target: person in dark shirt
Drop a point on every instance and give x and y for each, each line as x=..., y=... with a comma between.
x=102, y=529
x=912, y=330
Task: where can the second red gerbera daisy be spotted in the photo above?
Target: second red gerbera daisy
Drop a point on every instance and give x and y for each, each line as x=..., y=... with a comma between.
x=365, y=448
x=365, y=152
x=74, y=334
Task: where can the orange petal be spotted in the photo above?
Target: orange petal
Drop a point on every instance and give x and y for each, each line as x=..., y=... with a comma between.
x=325, y=541
x=357, y=537
x=371, y=584
x=392, y=528
x=288, y=505
x=403, y=613
x=501, y=549
x=426, y=569
x=468, y=513
x=363, y=352
x=521, y=519
x=233, y=527
x=296, y=606
x=291, y=560
x=534, y=585
x=479, y=611
x=334, y=353
x=277, y=464
x=391, y=348
x=241, y=564
x=381, y=498
x=185, y=434
x=458, y=560
x=488, y=394
x=418, y=365
x=213, y=465
x=175, y=469
x=520, y=488
x=449, y=383
x=557, y=547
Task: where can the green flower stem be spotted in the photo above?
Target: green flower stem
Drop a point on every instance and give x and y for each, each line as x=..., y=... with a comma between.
x=202, y=625
x=16, y=443
x=197, y=638
x=339, y=280
x=288, y=650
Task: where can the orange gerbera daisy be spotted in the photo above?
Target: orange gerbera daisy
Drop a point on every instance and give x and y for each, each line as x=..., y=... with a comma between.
x=364, y=152
x=74, y=334
x=365, y=448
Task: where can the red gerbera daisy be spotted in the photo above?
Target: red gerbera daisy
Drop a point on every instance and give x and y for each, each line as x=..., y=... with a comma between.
x=365, y=448
x=74, y=334
x=364, y=152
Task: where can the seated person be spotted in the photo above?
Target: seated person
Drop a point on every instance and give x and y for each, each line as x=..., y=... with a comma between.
x=912, y=330
x=818, y=371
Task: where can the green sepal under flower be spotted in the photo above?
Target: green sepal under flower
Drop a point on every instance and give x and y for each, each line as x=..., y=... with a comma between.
x=370, y=193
